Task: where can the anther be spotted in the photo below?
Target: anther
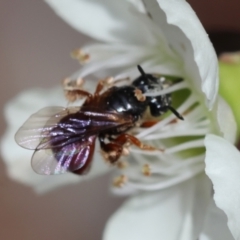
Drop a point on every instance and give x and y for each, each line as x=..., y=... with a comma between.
x=107, y=81
x=120, y=181
x=146, y=170
x=80, y=55
x=79, y=82
x=125, y=151
x=139, y=95
x=70, y=85
x=122, y=164
x=110, y=157
x=65, y=82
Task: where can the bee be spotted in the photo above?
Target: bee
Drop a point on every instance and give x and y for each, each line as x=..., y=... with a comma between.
x=63, y=139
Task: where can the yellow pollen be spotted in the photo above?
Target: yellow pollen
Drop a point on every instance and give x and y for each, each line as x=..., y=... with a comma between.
x=139, y=95
x=125, y=151
x=70, y=85
x=79, y=82
x=148, y=147
x=109, y=80
x=112, y=154
x=66, y=81
x=108, y=155
x=122, y=164
x=80, y=55
x=120, y=181
x=146, y=170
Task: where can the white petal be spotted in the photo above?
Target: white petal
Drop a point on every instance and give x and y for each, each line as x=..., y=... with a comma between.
x=187, y=37
x=139, y=5
x=18, y=159
x=176, y=213
x=216, y=225
x=105, y=20
x=223, y=168
x=226, y=120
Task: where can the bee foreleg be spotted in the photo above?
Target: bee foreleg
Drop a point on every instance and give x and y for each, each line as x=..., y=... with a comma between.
x=108, y=82
x=102, y=83
x=148, y=124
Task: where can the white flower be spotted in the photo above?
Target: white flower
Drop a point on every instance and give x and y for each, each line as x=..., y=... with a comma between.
x=164, y=37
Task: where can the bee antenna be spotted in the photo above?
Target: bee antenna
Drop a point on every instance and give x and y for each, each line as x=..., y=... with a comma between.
x=177, y=114
x=148, y=77
x=141, y=71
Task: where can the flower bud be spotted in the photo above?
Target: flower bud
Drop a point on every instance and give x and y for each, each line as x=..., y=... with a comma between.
x=229, y=67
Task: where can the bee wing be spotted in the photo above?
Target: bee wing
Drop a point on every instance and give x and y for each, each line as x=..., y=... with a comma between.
x=54, y=127
x=74, y=157
x=42, y=128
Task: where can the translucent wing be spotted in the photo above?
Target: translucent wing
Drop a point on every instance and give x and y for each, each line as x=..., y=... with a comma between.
x=75, y=157
x=64, y=138
x=39, y=127
x=54, y=127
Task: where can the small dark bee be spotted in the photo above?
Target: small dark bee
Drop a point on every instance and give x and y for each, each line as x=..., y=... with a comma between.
x=64, y=138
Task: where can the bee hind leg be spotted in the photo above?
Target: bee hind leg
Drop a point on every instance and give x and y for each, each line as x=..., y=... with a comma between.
x=127, y=138
x=111, y=151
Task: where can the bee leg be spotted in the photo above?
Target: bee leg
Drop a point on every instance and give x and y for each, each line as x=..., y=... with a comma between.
x=111, y=151
x=127, y=138
x=73, y=95
x=108, y=82
x=102, y=83
x=73, y=89
x=148, y=124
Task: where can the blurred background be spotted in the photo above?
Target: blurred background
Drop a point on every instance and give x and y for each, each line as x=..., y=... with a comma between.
x=35, y=46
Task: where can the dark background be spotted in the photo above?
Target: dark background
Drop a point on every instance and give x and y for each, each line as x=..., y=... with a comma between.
x=34, y=50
